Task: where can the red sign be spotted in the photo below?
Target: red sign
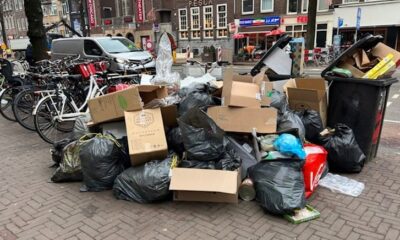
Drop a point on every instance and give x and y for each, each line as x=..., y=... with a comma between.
x=139, y=11
x=107, y=21
x=91, y=13
x=128, y=19
x=302, y=19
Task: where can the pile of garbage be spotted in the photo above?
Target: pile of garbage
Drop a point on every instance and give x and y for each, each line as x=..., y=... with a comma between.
x=212, y=142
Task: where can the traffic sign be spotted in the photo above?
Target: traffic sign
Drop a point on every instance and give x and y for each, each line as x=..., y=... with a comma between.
x=340, y=22
x=358, y=18
x=149, y=45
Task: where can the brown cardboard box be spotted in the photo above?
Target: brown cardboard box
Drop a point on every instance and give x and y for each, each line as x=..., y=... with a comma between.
x=381, y=51
x=111, y=106
x=150, y=92
x=205, y=185
x=308, y=93
x=146, y=136
x=243, y=120
x=349, y=65
x=361, y=59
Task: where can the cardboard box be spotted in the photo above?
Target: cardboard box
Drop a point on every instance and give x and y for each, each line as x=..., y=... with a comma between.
x=348, y=64
x=361, y=59
x=205, y=185
x=150, y=92
x=169, y=116
x=381, y=51
x=111, y=106
x=279, y=62
x=146, y=136
x=238, y=119
x=117, y=129
x=308, y=93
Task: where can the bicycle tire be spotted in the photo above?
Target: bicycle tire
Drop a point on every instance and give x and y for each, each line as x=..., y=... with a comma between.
x=45, y=125
x=6, y=101
x=23, y=106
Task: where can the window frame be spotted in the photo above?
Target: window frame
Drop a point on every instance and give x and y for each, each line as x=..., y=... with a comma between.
x=248, y=13
x=226, y=15
x=267, y=11
x=210, y=29
x=183, y=30
x=287, y=8
x=302, y=3
x=94, y=42
x=318, y=10
x=191, y=18
x=345, y=2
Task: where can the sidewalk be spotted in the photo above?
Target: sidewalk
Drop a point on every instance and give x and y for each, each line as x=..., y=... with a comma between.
x=33, y=208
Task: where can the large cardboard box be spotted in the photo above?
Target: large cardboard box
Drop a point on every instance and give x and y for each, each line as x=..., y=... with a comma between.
x=246, y=90
x=243, y=120
x=205, y=185
x=150, y=92
x=111, y=106
x=146, y=136
x=381, y=51
x=308, y=93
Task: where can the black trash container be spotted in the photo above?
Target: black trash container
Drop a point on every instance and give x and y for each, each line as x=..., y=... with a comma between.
x=359, y=103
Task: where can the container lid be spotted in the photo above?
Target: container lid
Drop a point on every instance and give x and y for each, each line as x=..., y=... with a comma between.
x=367, y=42
x=281, y=43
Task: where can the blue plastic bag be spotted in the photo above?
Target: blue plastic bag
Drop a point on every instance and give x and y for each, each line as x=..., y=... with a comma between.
x=289, y=144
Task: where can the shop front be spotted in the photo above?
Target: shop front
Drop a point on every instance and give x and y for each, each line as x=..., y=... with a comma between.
x=255, y=36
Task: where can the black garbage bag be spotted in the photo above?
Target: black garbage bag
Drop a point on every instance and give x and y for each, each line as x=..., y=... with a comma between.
x=197, y=164
x=175, y=142
x=126, y=159
x=230, y=160
x=69, y=169
x=246, y=156
x=57, y=150
x=102, y=161
x=344, y=154
x=144, y=184
x=279, y=185
x=278, y=100
x=80, y=128
x=198, y=97
x=288, y=119
x=202, y=138
x=312, y=124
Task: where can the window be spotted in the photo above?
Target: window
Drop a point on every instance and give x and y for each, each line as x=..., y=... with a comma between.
x=125, y=7
x=16, y=4
x=21, y=4
x=292, y=6
x=267, y=6
x=117, y=45
x=298, y=30
x=53, y=8
x=183, y=26
x=350, y=1
x=208, y=21
x=91, y=48
x=195, y=22
x=65, y=8
x=321, y=35
x=222, y=24
x=247, y=6
x=323, y=5
x=304, y=6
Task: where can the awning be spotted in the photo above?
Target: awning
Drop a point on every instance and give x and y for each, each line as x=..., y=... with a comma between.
x=257, y=29
x=275, y=32
x=238, y=36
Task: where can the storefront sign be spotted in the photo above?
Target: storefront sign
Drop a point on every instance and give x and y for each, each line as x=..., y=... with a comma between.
x=128, y=19
x=274, y=20
x=156, y=27
x=91, y=13
x=139, y=11
x=107, y=21
x=302, y=19
x=199, y=3
x=232, y=27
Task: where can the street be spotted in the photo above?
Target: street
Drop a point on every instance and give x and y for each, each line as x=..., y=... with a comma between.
x=31, y=207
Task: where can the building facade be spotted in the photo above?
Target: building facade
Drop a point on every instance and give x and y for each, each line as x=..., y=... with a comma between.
x=15, y=22
x=376, y=17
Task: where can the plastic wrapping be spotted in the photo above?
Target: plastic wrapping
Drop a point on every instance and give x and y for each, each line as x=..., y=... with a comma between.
x=190, y=81
x=289, y=145
x=344, y=154
x=102, y=161
x=144, y=184
x=340, y=184
x=57, y=150
x=80, y=128
x=312, y=124
x=197, y=96
x=164, y=75
x=279, y=185
x=69, y=169
x=278, y=100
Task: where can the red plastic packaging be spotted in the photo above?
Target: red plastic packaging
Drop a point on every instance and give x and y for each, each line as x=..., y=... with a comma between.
x=316, y=162
x=118, y=87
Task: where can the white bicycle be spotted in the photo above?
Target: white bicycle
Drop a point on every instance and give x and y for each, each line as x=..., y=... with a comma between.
x=56, y=112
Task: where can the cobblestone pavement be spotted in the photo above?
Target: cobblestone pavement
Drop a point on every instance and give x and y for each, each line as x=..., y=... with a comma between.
x=33, y=208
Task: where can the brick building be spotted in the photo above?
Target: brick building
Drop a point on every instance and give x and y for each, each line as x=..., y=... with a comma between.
x=15, y=22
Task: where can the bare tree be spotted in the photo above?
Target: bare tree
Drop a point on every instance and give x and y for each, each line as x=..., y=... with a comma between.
x=312, y=16
x=36, y=30
x=3, y=29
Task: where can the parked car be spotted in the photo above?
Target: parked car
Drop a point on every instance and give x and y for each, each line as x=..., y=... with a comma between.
x=119, y=49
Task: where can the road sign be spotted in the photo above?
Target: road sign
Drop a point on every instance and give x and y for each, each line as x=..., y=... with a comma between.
x=358, y=19
x=340, y=22
x=149, y=45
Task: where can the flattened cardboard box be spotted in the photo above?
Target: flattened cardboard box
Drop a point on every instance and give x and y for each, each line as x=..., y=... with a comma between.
x=243, y=120
x=205, y=185
x=150, y=92
x=308, y=93
x=146, y=136
x=111, y=106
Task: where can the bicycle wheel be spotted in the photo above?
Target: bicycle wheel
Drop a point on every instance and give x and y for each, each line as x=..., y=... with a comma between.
x=48, y=128
x=6, y=101
x=23, y=106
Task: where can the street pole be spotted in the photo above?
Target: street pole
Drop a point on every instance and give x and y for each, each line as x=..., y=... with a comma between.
x=3, y=29
x=337, y=29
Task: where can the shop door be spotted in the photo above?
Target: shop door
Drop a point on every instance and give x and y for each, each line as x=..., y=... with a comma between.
x=143, y=41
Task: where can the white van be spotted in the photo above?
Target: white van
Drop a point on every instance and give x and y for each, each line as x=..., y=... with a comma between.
x=119, y=49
